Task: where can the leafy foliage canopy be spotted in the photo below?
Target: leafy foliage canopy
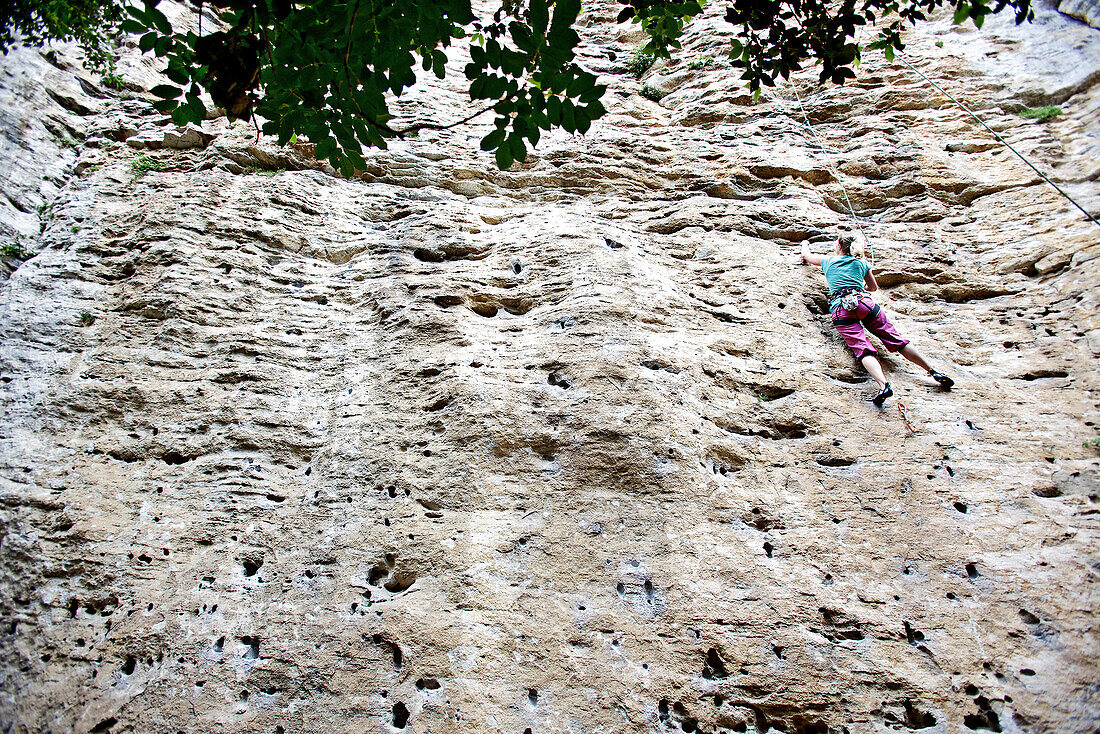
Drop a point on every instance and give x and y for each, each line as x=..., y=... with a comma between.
x=328, y=70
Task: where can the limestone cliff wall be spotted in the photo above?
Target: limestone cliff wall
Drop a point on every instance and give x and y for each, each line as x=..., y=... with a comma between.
x=568, y=448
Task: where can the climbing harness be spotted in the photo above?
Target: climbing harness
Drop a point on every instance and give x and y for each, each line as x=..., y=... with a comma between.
x=849, y=298
x=853, y=296
x=905, y=419
x=1003, y=142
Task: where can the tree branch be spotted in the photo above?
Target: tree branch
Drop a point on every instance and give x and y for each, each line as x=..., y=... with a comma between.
x=434, y=126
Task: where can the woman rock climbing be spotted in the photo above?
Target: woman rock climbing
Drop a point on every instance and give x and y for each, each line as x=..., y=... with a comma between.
x=850, y=280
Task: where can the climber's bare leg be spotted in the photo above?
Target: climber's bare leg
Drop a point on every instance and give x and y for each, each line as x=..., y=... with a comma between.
x=910, y=353
x=874, y=368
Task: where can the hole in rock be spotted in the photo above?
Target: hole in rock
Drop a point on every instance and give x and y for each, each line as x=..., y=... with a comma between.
x=714, y=666
x=985, y=719
x=487, y=310
x=447, y=301
x=376, y=574
x=429, y=684
x=104, y=726
x=251, y=567
x=400, y=715
x=917, y=719
x=396, y=649
x=253, y=647
x=972, y=571
x=1028, y=617
x=1027, y=671
x=532, y=697
x=174, y=458
x=961, y=507
x=401, y=581
x=428, y=256
x=768, y=549
x=130, y=665
x=835, y=461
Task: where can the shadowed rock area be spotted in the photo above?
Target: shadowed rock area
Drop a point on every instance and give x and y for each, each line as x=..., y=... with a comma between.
x=567, y=448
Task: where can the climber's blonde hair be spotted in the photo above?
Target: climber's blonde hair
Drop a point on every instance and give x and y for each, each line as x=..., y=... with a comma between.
x=850, y=245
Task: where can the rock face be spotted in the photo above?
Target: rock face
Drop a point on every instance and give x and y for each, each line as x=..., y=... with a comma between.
x=569, y=448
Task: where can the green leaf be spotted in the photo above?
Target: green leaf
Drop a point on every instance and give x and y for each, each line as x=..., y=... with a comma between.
x=582, y=121
x=978, y=18
x=165, y=105
x=157, y=18
x=477, y=88
x=504, y=157
x=166, y=91
x=325, y=147
x=493, y=139
x=553, y=110
x=197, y=106
x=962, y=12
x=581, y=83
x=179, y=76
x=567, y=120
x=439, y=63
x=182, y=115
x=132, y=26
x=146, y=42
x=538, y=15
x=889, y=53
x=519, y=150
x=593, y=94
x=521, y=35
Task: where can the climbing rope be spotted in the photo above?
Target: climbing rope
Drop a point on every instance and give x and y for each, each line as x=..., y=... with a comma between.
x=1004, y=142
x=836, y=175
x=905, y=419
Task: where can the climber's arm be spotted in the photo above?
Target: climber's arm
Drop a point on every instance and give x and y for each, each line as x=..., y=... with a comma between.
x=870, y=282
x=809, y=257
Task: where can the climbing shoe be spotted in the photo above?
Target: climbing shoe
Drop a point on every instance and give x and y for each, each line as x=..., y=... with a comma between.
x=879, y=399
x=945, y=381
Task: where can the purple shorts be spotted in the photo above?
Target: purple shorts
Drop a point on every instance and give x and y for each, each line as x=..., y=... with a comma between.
x=850, y=324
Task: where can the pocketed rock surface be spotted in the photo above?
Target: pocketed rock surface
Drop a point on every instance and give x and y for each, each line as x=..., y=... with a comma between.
x=568, y=448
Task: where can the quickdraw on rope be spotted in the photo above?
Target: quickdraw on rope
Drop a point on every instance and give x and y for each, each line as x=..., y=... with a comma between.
x=905, y=419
